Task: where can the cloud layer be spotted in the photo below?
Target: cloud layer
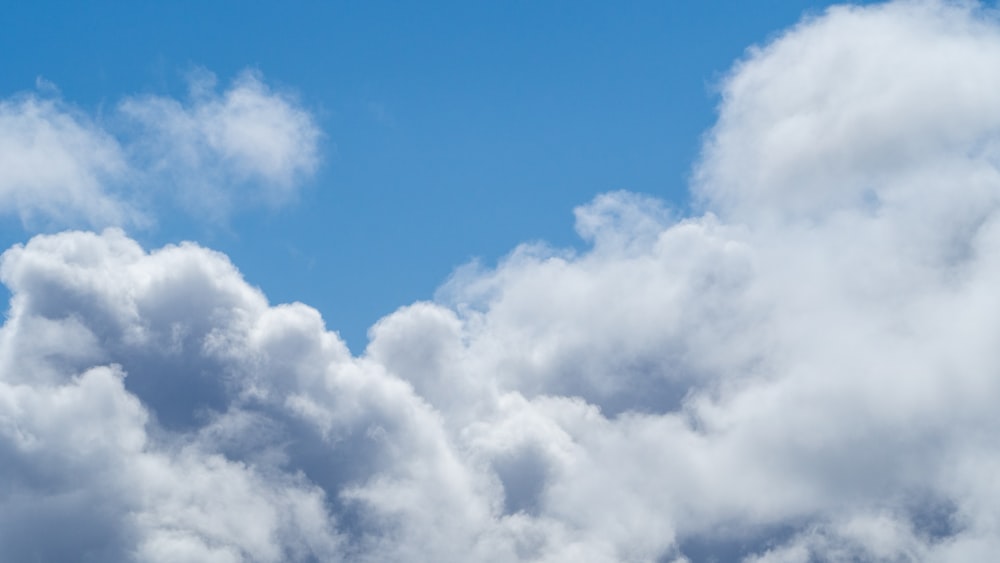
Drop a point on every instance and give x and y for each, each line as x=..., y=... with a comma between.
x=806, y=371
x=60, y=167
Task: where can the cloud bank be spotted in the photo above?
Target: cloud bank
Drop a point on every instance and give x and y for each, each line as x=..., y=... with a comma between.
x=805, y=371
x=61, y=167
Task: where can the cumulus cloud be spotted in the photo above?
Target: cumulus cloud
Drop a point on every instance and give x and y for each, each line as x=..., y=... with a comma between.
x=60, y=167
x=806, y=371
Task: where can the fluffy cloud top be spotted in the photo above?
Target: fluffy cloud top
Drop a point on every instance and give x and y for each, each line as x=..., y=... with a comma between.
x=59, y=167
x=861, y=106
x=807, y=371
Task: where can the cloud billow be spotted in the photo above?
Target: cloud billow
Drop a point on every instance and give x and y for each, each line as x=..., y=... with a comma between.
x=806, y=371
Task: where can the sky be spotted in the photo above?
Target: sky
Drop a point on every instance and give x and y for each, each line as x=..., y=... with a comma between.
x=500, y=282
x=449, y=132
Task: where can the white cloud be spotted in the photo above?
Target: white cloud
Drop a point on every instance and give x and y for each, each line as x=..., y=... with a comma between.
x=249, y=137
x=59, y=167
x=55, y=165
x=805, y=372
x=814, y=123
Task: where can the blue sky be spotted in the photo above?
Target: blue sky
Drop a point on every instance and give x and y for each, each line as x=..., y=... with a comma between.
x=451, y=130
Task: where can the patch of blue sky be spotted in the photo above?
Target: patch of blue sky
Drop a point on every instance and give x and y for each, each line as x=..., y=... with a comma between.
x=452, y=130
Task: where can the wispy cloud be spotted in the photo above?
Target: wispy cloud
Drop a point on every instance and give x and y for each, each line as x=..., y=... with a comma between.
x=213, y=153
x=56, y=165
x=247, y=142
